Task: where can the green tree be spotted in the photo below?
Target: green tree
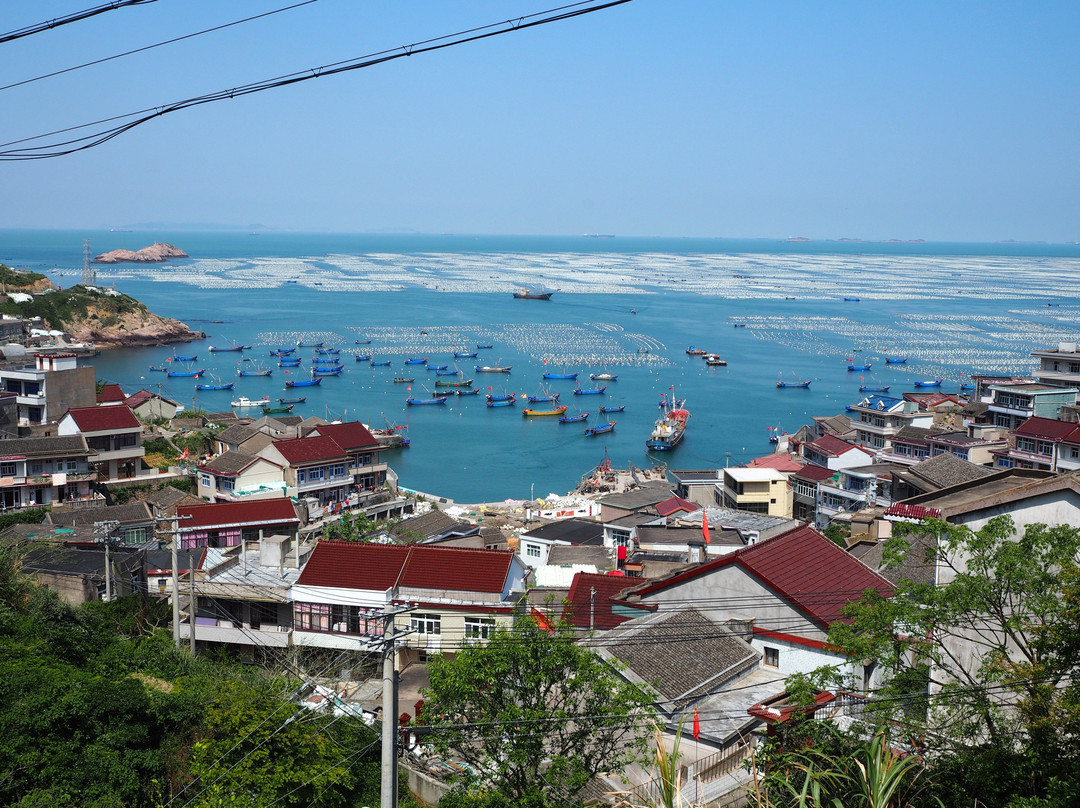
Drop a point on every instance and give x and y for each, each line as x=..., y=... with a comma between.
x=985, y=661
x=534, y=715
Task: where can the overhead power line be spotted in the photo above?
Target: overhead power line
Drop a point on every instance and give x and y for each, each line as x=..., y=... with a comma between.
x=155, y=45
x=64, y=147
x=76, y=16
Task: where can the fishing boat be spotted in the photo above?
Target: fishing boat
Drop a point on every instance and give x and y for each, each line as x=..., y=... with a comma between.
x=328, y=351
x=805, y=385
x=484, y=347
x=468, y=391
x=692, y=351
x=447, y=372
x=412, y=360
x=546, y=397
x=669, y=427
x=589, y=391
x=620, y=408
x=493, y=369
x=560, y=376
x=217, y=384
x=258, y=372
x=304, y=382
x=384, y=364
x=334, y=370
x=853, y=368
x=865, y=389
x=889, y=360
x=600, y=429
x=282, y=410
x=603, y=377
x=244, y=401
x=279, y=352
x=300, y=344
x=462, y=383
x=714, y=360
x=191, y=358
x=529, y=293
x=541, y=413
x=851, y=300
x=184, y=374
x=438, y=367
x=465, y=354
x=228, y=349
x=509, y=402
x=288, y=363
x=362, y=357
x=159, y=370
x=297, y=400
x=500, y=396
x=929, y=383
x=415, y=402
x=362, y=342
x=573, y=419
x=403, y=380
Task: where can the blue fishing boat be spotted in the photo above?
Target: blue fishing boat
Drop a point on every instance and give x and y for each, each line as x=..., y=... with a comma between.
x=297, y=400
x=363, y=357
x=191, y=358
x=501, y=396
x=510, y=402
x=415, y=361
x=437, y=367
x=184, y=374
x=600, y=429
x=852, y=368
x=560, y=375
x=303, y=383
x=573, y=419
x=159, y=370
x=327, y=371
x=228, y=349
x=254, y=372
x=288, y=363
x=465, y=354
x=445, y=372
x=385, y=364
x=283, y=352
x=804, y=385
x=620, y=408
x=851, y=300
x=328, y=351
x=219, y=386
x=362, y=342
x=929, y=383
x=967, y=387
x=468, y=391
x=540, y=399
x=300, y=344
x=889, y=360
x=865, y=389
x=589, y=391
x=413, y=402
x=325, y=360
x=483, y=347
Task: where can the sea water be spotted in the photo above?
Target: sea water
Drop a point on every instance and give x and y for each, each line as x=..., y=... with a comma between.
x=775, y=310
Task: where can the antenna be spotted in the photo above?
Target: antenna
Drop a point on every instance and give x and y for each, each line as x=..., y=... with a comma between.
x=89, y=272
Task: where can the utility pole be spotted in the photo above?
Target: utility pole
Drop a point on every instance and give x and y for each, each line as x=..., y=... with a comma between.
x=104, y=530
x=191, y=601
x=174, y=536
x=387, y=646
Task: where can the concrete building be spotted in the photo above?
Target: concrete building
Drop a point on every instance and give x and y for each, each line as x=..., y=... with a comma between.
x=113, y=433
x=49, y=388
x=45, y=471
x=759, y=490
x=1059, y=367
x=1011, y=405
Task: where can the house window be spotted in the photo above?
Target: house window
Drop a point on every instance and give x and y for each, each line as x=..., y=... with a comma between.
x=427, y=623
x=479, y=628
x=301, y=476
x=620, y=538
x=339, y=470
x=312, y=616
x=206, y=481
x=532, y=550
x=7, y=469
x=135, y=535
x=36, y=467
x=71, y=465
x=316, y=473
x=772, y=657
x=227, y=484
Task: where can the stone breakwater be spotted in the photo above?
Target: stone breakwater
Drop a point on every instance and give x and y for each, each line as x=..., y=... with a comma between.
x=154, y=254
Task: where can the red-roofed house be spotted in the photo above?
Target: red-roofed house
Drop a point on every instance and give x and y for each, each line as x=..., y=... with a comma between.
x=781, y=462
x=804, y=489
x=1043, y=443
x=460, y=594
x=115, y=435
x=147, y=405
x=312, y=468
x=226, y=524
x=675, y=505
x=111, y=394
x=367, y=470
x=791, y=588
x=589, y=604
x=836, y=453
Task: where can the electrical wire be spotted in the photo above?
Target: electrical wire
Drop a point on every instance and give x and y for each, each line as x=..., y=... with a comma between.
x=77, y=16
x=155, y=45
x=65, y=147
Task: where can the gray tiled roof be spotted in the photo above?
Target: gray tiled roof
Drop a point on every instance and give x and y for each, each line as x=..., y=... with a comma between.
x=599, y=557
x=914, y=567
x=230, y=462
x=652, y=493
x=128, y=513
x=574, y=531
x=51, y=445
x=946, y=470
x=236, y=434
x=425, y=526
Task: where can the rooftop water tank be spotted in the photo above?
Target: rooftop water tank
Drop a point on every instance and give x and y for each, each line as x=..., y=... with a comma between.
x=1066, y=347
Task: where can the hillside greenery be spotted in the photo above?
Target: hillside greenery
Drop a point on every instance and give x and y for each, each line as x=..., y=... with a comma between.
x=74, y=304
x=18, y=277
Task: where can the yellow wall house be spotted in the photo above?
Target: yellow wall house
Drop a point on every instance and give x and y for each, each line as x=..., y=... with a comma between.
x=758, y=490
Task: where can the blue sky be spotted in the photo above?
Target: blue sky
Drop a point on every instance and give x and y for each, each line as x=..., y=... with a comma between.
x=947, y=121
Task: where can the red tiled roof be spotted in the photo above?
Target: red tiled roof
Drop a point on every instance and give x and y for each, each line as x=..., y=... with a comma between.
x=780, y=462
x=670, y=506
x=310, y=450
x=832, y=445
x=100, y=419
x=110, y=392
x=135, y=399
x=816, y=575
x=578, y=609
x=812, y=472
x=1045, y=428
x=356, y=565
x=261, y=512
x=350, y=436
x=905, y=511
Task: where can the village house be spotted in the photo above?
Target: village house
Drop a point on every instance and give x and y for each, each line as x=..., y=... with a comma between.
x=115, y=436
x=1011, y=405
x=1042, y=443
x=48, y=389
x=131, y=523
x=834, y=453
x=236, y=477
x=1059, y=367
x=149, y=406
x=758, y=490
x=878, y=418
x=45, y=471
x=228, y=524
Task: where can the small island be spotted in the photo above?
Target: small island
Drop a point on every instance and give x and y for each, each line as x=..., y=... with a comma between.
x=154, y=254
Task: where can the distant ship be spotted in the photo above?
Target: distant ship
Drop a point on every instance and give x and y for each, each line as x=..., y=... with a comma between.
x=528, y=293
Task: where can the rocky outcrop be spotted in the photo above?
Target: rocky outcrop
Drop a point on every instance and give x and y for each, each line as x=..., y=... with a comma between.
x=140, y=327
x=154, y=254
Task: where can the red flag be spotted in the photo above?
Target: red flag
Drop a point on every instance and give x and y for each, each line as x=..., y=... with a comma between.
x=705, y=525
x=697, y=725
x=185, y=455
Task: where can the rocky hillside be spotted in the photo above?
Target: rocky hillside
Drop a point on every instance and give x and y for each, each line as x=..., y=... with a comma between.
x=105, y=317
x=154, y=254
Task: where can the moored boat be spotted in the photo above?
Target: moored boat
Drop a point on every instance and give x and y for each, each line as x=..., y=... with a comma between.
x=529, y=293
x=589, y=391
x=184, y=374
x=692, y=351
x=191, y=358
x=560, y=376
x=465, y=354
x=852, y=368
x=714, y=360
x=540, y=399
x=363, y=357
x=244, y=401
x=603, y=377
x=507, y=402
x=468, y=391
x=415, y=402
x=445, y=383
x=600, y=429
x=929, y=383
x=867, y=389
x=620, y=408
x=542, y=413
x=288, y=363
x=327, y=371
x=805, y=385
x=403, y=380
x=282, y=410
x=254, y=372
x=573, y=419
x=414, y=360
x=159, y=370
x=297, y=400
x=500, y=396
x=383, y=364
x=439, y=367
x=228, y=348
x=669, y=427
x=889, y=360
x=304, y=382
x=300, y=344
x=217, y=384
x=493, y=368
